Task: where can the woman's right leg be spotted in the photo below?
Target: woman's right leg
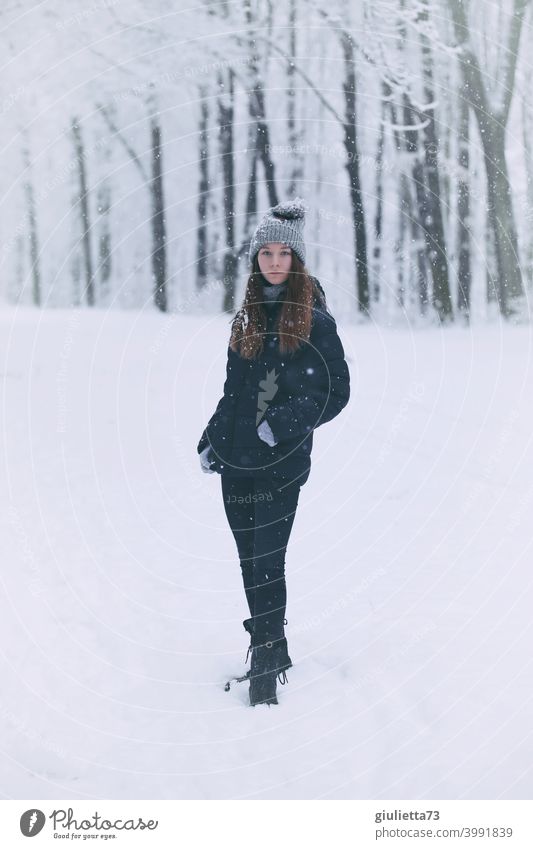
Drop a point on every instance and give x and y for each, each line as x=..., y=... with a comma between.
x=240, y=513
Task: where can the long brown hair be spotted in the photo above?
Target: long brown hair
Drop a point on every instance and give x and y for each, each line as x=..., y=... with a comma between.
x=296, y=315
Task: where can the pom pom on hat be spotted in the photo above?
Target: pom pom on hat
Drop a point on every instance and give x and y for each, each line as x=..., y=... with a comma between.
x=289, y=209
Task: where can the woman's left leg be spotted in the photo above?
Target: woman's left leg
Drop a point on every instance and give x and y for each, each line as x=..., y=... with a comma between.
x=275, y=509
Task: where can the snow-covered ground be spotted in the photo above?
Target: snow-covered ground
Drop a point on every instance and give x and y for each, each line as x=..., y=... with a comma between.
x=409, y=571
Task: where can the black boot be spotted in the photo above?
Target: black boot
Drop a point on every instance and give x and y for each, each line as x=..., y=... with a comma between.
x=283, y=661
x=263, y=675
x=270, y=661
x=249, y=627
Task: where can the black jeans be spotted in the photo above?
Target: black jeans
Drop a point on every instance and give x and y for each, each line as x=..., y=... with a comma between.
x=261, y=513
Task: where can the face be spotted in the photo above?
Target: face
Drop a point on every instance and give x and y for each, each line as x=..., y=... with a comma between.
x=275, y=261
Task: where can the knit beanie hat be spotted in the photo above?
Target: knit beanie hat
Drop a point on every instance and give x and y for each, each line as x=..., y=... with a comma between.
x=283, y=223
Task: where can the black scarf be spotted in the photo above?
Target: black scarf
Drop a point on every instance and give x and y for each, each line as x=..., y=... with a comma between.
x=273, y=292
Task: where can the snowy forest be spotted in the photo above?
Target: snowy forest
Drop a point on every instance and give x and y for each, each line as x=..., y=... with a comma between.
x=142, y=141
x=142, y=144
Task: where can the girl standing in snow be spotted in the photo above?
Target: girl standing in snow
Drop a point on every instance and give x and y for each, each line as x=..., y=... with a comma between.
x=286, y=374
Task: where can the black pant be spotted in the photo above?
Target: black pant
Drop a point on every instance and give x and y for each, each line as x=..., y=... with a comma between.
x=261, y=514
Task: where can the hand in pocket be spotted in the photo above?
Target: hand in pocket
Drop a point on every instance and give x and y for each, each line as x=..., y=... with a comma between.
x=206, y=458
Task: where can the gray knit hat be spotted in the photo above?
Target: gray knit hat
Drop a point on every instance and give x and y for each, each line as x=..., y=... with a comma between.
x=283, y=223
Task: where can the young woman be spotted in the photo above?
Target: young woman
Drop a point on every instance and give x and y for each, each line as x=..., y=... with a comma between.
x=286, y=374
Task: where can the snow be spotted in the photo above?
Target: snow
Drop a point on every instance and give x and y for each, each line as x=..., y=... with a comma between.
x=409, y=571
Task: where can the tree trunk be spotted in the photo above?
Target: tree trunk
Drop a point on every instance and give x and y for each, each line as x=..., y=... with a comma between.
x=32, y=227
x=159, y=258
x=154, y=182
x=352, y=167
x=250, y=215
x=104, y=229
x=75, y=276
x=402, y=247
x=378, y=218
x=421, y=218
x=256, y=105
x=491, y=262
x=227, y=156
x=250, y=211
x=492, y=122
x=297, y=164
x=527, y=131
x=203, y=191
x=502, y=221
x=464, y=273
x=433, y=224
x=83, y=204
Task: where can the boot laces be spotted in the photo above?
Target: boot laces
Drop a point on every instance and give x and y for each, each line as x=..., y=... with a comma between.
x=281, y=675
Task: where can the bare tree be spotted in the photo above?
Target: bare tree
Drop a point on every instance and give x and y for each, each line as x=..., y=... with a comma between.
x=433, y=222
x=378, y=216
x=351, y=145
x=527, y=134
x=103, y=201
x=32, y=226
x=154, y=183
x=418, y=137
x=256, y=105
x=227, y=155
x=83, y=208
x=203, y=189
x=492, y=121
x=157, y=221
x=464, y=273
x=293, y=135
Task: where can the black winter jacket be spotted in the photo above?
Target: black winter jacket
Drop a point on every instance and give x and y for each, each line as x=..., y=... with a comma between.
x=295, y=392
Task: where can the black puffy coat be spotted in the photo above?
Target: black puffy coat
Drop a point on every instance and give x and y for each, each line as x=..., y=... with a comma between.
x=295, y=392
